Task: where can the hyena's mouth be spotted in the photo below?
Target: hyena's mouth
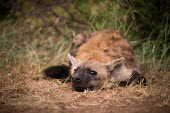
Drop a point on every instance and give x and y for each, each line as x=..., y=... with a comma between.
x=81, y=89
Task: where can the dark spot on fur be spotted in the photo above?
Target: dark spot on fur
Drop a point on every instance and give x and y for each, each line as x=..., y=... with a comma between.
x=83, y=41
x=131, y=50
x=113, y=56
x=73, y=52
x=108, y=44
x=78, y=45
x=73, y=44
x=105, y=50
x=98, y=45
x=114, y=39
x=115, y=50
x=131, y=60
x=109, y=54
x=127, y=49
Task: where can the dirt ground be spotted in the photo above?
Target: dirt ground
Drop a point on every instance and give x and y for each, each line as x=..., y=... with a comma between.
x=33, y=95
x=60, y=107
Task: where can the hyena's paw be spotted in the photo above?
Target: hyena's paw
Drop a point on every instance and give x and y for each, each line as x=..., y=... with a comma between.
x=137, y=79
x=141, y=80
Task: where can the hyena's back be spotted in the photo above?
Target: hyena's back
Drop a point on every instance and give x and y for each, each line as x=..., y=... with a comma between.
x=104, y=46
x=98, y=60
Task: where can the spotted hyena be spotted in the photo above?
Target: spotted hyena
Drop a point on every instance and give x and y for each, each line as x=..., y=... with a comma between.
x=101, y=60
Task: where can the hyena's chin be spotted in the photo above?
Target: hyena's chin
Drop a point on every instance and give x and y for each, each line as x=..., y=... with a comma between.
x=81, y=88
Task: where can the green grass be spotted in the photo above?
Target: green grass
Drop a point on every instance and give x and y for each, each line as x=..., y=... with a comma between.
x=37, y=44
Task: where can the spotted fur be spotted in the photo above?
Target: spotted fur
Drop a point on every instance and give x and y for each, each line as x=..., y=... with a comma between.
x=99, y=60
x=99, y=50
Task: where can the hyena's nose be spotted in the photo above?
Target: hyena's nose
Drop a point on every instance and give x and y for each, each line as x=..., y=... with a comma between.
x=75, y=79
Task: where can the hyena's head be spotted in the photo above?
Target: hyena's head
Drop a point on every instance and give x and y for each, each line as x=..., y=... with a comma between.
x=92, y=75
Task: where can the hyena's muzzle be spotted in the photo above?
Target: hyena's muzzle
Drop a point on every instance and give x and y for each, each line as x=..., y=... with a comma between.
x=82, y=78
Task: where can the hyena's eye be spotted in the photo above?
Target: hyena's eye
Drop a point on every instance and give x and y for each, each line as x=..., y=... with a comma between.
x=93, y=72
x=75, y=70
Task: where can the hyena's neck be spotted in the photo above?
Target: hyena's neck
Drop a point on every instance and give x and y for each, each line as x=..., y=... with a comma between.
x=125, y=73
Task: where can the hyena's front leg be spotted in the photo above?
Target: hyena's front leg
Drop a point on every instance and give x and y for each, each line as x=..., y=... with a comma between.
x=136, y=78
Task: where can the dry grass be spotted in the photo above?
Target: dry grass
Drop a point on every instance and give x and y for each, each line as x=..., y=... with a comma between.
x=51, y=95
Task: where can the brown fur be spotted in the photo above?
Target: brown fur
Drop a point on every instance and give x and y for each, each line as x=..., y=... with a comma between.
x=106, y=46
x=105, y=51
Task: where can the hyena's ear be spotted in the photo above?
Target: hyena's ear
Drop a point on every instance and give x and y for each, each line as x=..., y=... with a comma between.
x=115, y=68
x=72, y=59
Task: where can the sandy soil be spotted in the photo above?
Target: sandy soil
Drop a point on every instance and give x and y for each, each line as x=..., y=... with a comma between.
x=51, y=96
